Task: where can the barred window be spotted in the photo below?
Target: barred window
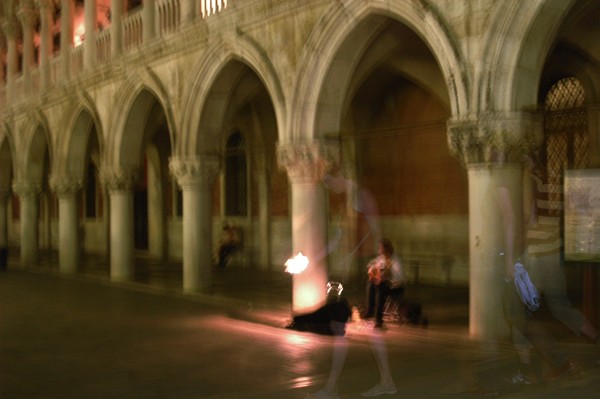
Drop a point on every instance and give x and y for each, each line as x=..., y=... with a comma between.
x=565, y=129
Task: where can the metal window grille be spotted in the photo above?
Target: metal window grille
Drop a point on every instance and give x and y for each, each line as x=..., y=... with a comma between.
x=565, y=131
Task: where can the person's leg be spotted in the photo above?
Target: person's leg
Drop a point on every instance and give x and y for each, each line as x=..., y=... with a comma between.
x=386, y=383
x=550, y=271
x=340, y=352
x=338, y=359
x=224, y=253
x=383, y=291
x=530, y=331
x=370, y=298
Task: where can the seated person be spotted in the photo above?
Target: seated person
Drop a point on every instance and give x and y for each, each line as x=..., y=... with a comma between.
x=329, y=319
x=230, y=242
x=385, y=278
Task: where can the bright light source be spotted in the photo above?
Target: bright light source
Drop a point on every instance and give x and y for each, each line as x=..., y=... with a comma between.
x=297, y=264
x=79, y=34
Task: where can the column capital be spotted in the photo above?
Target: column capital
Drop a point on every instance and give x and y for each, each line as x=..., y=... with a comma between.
x=119, y=179
x=27, y=189
x=27, y=15
x=11, y=28
x=195, y=171
x=65, y=186
x=45, y=4
x=492, y=136
x=307, y=162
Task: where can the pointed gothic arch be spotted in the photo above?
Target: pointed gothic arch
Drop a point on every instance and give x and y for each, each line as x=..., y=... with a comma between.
x=208, y=94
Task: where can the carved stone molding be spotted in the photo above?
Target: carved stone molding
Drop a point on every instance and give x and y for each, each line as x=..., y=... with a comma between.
x=307, y=162
x=65, y=186
x=119, y=179
x=195, y=171
x=495, y=137
x=27, y=189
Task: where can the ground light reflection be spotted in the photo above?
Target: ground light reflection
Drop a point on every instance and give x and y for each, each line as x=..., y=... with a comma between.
x=296, y=368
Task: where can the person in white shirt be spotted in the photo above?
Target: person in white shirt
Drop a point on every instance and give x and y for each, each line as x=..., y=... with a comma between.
x=385, y=274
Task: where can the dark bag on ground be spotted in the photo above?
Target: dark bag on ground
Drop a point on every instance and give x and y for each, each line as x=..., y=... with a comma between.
x=412, y=313
x=319, y=321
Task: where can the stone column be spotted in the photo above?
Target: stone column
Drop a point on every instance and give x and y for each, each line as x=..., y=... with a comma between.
x=28, y=18
x=116, y=27
x=491, y=149
x=3, y=61
x=46, y=8
x=66, y=37
x=91, y=24
x=4, y=193
x=69, y=242
x=149, y=20
x=306, y=164
x=10, y=28
x=189, y=12
x=28, y=193
x=120, y=184
x=196, y=177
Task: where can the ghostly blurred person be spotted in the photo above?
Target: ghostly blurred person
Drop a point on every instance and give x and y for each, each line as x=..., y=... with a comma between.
x=542, y=215
x=518, y=293
x=542, y=211
x=361, y=201
x=329, y=319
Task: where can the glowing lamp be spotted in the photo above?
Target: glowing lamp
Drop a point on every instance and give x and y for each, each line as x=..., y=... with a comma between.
x=79, y=35
x=297, y=264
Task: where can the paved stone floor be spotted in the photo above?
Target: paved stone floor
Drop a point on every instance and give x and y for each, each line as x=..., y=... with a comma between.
x=80, y=336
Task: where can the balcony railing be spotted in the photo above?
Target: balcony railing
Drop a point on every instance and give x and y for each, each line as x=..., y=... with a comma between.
x=133, y=30
x=103, y=47
x=168, y=18
x=209, y=7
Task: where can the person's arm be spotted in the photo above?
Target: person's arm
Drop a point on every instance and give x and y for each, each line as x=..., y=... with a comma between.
x=397, y=274
x=529, y=197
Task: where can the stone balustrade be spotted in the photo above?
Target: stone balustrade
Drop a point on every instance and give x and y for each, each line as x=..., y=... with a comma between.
x=168, y=20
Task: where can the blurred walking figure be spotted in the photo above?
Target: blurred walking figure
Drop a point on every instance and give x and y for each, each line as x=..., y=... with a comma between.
x=509, y=275
x=364, y=204
x=542, y=215
x=542, y=246
x=542, y=211
x=329, y=319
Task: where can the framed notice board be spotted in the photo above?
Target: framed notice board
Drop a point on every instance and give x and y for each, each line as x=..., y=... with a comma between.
x=582, y=215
